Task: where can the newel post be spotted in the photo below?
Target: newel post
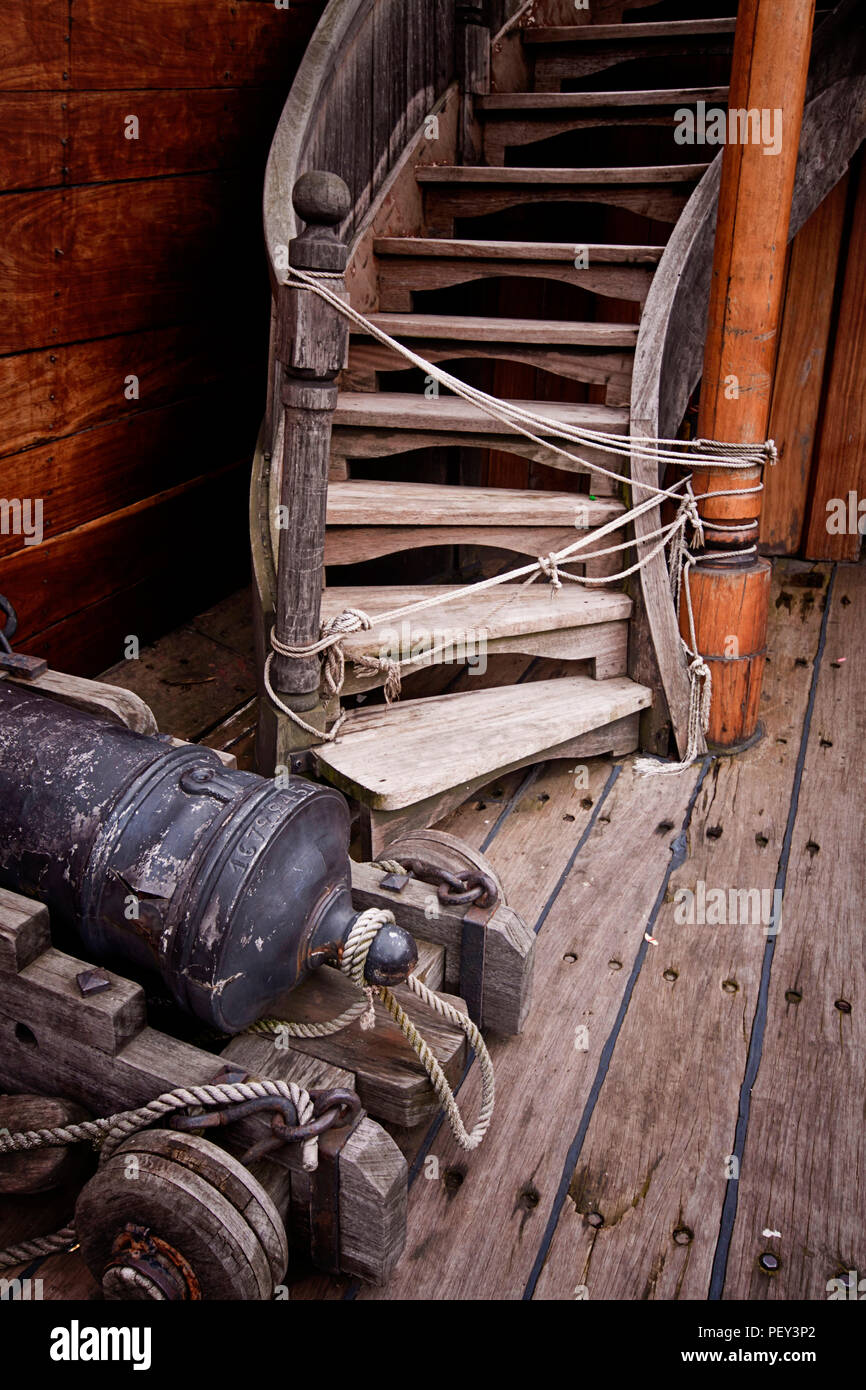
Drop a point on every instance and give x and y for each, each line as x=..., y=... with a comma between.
x=730, y=595
x=312, y=341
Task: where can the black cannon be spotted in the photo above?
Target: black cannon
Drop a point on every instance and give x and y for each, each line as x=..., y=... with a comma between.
x=230, y=886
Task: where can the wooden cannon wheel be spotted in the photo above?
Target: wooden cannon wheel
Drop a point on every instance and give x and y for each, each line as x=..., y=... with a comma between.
x=445, y=851
x=169, y=1216
x=40, y=1170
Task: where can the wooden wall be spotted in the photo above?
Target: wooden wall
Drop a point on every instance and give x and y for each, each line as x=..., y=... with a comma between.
x=127, y=258
x=818, y=414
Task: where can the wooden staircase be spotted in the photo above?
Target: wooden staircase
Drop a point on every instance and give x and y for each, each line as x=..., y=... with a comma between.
x=420, y=275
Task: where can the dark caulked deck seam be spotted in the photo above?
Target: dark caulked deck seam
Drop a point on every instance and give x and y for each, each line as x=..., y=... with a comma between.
x=429, y=1138
x=518, y=794
x=525, y=784
x=587, y=831
x=728, y=1216
x=679, y=849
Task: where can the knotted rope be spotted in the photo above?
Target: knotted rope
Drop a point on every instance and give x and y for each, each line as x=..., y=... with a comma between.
x=61, y=1242
x=352, y=963
x=538, y=428
x=111, y=1131
x=700, y=682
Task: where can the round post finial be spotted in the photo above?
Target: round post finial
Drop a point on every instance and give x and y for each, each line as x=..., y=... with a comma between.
x=322, y=201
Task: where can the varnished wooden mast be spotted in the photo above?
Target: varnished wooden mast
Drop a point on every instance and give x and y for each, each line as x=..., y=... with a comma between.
x=730, y=596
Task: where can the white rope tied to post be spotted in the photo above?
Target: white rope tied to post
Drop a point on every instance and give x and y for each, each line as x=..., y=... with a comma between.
x=700, y=685
x=334, y=630
x=731, y=455
x=701, y=453
x=364, y=931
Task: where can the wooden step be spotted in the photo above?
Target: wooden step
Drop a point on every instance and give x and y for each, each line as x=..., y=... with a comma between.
x=399, y=410
x=469, y=329
x=600, y=354
x=369, y=519
x=450, y=191
x=406, y=264
x=507, y=103
x=628, y=33
x=380, y=424
x=522, y=118
x=607, y=253
x=629, y=174
x=573, y=624
x=391, y=757
x=580, y=51
x=363, y=502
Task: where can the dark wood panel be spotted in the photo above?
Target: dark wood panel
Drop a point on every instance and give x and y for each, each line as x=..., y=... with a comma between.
x=840, y=468
x=58, y=391
x=177, y=133
x=138, y=571
x=32, y=127
x=88, y=262
x=804, y=336
x=102, y=470
x=184, y=43
x=33, y=47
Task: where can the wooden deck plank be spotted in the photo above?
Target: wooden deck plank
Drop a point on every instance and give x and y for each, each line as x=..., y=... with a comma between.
x=474, y=1228
x=804, y=1165
x=653, y=1162
x=193, y=680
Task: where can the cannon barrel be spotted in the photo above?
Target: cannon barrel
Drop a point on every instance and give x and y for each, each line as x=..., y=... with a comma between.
x=230, y=886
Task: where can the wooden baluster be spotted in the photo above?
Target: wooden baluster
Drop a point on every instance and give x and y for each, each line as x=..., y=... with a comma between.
x=731, y=596
x=312, y=341
x=473, y=72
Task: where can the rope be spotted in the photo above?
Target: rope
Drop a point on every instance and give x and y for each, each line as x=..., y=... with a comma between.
x=364, y=931
x=712, y=454
x=109, y=1132
x=60, y=1243
x=351, y=620
x=700, y=686
x=694, y=454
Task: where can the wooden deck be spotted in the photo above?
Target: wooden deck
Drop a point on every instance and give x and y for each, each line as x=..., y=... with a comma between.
x=680, y=1089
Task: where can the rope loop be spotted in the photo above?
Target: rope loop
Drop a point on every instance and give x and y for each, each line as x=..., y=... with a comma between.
x=540, y=429
x=352, y=963
x=550, y=569
x=109, y=1133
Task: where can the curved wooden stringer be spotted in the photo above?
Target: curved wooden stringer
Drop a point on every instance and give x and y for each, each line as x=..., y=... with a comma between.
x=426, y=154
